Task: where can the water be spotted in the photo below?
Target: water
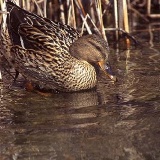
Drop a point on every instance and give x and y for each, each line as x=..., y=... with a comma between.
x=112, y=122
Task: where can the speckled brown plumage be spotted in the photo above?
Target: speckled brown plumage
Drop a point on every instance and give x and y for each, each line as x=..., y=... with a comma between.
x=50, y=54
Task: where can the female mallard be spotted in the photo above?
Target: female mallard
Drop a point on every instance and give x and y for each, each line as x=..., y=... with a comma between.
x=50, y=54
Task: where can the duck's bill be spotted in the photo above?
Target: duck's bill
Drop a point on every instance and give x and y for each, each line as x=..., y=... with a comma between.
x=107, y=70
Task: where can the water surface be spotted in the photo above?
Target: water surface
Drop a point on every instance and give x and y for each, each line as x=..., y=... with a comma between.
x=112, y=122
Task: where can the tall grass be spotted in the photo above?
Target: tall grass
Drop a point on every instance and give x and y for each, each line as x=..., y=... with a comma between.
x=86, y=16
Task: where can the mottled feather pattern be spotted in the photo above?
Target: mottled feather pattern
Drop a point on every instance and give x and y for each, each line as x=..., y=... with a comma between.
x=34, y=65
x=40, y=50
x=6, y=45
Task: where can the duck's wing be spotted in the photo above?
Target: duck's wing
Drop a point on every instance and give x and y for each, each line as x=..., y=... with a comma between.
x=30, y=31
x=39, y=47
x=45, y=70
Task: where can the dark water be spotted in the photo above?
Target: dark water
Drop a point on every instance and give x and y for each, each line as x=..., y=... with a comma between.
x=113, y=122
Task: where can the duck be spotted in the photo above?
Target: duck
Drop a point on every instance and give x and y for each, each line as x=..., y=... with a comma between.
x=50, y=54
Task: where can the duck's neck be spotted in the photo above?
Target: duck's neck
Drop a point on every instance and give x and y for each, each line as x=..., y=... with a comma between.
x=80, y=76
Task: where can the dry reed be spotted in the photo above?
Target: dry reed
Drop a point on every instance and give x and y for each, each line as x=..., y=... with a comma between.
x=86, y=16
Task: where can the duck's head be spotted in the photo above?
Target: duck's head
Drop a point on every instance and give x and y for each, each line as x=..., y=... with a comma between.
x=94, y=50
